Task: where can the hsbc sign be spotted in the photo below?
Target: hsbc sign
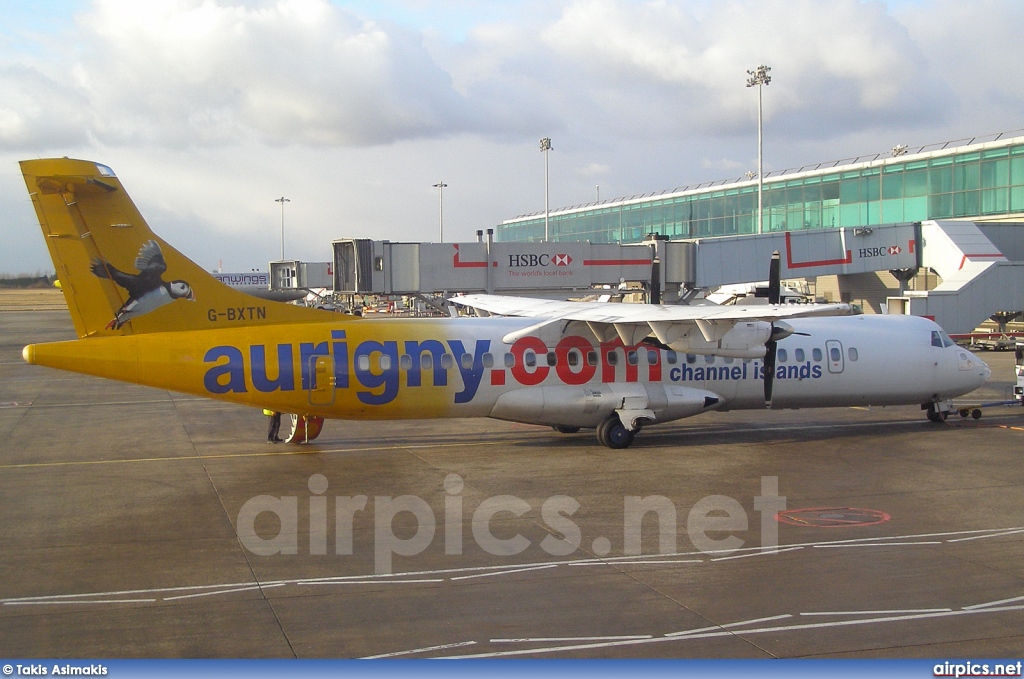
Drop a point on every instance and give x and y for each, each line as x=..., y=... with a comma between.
x=534, y=260
x=880, y=251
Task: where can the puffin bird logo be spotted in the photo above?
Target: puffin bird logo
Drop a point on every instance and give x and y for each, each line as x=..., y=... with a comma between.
x=147, y=290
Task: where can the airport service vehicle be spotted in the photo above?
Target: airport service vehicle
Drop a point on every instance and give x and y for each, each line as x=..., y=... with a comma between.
x=146, y=314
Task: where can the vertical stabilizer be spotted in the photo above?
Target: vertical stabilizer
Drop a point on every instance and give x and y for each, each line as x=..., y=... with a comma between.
x=117, y=275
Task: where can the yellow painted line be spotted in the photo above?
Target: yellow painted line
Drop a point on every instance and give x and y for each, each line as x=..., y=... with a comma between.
x=300, y=451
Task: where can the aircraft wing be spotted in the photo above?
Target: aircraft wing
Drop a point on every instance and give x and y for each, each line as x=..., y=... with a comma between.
x=696, y=329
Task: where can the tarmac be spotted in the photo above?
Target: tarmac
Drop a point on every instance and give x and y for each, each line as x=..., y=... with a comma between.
x=134, y=523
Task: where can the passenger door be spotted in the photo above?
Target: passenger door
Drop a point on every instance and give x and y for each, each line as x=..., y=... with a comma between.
x=834, y=352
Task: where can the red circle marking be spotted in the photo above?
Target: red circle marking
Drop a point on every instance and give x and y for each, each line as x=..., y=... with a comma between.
x=832, y=517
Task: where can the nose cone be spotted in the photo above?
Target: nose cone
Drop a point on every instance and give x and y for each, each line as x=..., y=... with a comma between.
x=986, y=372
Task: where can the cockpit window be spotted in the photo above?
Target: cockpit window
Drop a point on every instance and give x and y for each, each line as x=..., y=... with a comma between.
x=941, y=339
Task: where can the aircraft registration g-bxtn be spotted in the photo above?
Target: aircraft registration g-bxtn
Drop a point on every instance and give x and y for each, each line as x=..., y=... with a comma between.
x=146, y=314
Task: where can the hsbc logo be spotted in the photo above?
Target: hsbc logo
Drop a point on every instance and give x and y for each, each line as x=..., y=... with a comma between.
x=532, y=260
x=880, y=252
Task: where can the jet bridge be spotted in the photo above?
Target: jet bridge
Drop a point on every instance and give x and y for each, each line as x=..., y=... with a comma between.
x=979, y=278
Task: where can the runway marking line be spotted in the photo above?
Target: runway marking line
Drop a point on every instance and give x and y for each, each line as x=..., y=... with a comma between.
x=717, y=631
x=909, y=610
x=761, y=553
x=419, y=650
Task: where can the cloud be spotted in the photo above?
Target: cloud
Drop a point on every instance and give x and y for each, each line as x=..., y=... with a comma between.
x=36, y=110
x=199, y=72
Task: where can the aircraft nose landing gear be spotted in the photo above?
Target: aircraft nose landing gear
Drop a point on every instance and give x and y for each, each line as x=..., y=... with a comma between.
x=936, y=413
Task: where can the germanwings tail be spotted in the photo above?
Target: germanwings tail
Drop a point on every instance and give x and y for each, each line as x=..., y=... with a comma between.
x=120, y=278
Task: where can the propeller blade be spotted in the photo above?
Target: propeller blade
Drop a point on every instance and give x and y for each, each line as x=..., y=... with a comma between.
x=774, y=281
x=769, y=370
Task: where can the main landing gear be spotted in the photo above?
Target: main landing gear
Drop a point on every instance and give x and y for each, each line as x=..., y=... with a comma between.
x=613, y=434
x=304, y=428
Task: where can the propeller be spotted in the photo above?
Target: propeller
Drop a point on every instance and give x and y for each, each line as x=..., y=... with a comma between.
x=779, y=331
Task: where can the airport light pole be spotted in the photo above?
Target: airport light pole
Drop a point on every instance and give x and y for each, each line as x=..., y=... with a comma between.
x=759, y=77
x=282, y=200
x=440, y=186
x=545, y=146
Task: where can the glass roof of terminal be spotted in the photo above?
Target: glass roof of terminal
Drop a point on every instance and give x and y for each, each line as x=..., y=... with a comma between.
x=979, y=178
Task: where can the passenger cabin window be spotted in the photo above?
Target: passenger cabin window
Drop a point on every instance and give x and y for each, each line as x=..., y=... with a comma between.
x=488, y=360
x=613, y=358
x=363, y=363
x=529, y=358
x=727, y=359
x=591, y=358
x=652, y=357
x=691, y=358
x=405, y=362
x=708, y=358
x=510, y=360
x=467, y=361
x=573, y=358
x=447, y=361
x=631, y=357
x=799, y=356
x=672, y=357
x=835, y=355
x=552, y=358
x=385, y=362
x=816, y=355
x=783, y=356
x=426, y=362
x=852, y=353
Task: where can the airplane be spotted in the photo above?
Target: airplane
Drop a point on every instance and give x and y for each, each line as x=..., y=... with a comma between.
x=163, y=321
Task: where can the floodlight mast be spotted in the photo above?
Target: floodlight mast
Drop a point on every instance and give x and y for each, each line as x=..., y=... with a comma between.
x=545, y=146
x=440, y=186
x=759, y=77
x=282, y=200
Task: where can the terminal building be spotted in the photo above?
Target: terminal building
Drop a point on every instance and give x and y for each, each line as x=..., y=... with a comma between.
x=981, y=180
x=978, y=180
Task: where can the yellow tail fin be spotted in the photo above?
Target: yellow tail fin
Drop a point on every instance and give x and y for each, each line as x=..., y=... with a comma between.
x=119, y=277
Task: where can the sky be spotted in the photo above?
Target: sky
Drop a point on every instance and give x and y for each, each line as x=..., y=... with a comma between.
x=209, y=110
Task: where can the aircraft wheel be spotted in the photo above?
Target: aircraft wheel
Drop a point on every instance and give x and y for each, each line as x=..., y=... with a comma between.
x=305, y=428
x=613, y=434
x=565, y=429
x=935, y=415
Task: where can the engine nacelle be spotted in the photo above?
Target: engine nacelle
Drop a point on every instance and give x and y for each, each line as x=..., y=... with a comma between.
x=743, y=340
x=589, y=405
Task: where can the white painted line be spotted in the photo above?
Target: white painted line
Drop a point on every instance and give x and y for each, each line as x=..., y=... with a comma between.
x=364, y=582
x=728, y=625
x=516, y=570
x=82, y=601
x=990, y=535
x=877, y=544
x=557, y=639
x=222, y=591
x=909, y=610
x=631, y=563
x=370, y=577
x=722, y=633
x=994, y=603
x=419, y=650
x=761, y=553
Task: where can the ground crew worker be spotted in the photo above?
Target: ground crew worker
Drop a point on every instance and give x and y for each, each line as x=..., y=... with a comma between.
x=275, y=425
